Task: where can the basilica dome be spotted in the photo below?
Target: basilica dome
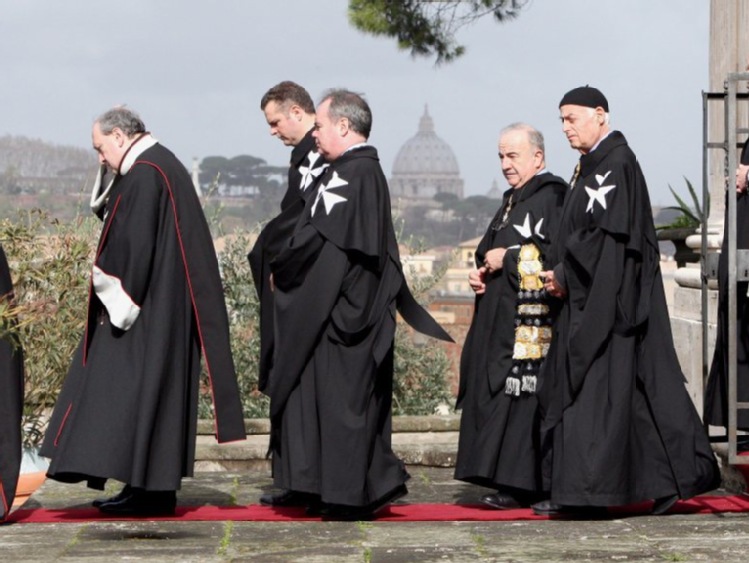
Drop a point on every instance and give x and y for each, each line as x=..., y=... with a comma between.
x=425, y=165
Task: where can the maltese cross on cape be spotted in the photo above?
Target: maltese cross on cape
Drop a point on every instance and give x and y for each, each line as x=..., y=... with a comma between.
x=309, y=172
x=525, y=229
x=598, y=194
x=329, y=198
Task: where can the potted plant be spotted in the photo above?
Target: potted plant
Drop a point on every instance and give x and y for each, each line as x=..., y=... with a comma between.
x=685, y=224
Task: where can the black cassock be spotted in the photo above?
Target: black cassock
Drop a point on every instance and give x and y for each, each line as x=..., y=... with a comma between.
x=305, y=167
x=11, y=399
x=499, y=434
x=716, y=393
x=337, y=285
x=128, y=407
x=623, y=425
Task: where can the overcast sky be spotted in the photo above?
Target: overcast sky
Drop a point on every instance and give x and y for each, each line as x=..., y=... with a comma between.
x=196, y=71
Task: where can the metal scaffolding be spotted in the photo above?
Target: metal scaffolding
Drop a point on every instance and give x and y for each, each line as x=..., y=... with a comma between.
x=737, y=260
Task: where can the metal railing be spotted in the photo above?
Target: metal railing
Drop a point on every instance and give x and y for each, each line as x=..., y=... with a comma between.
x=737, y=260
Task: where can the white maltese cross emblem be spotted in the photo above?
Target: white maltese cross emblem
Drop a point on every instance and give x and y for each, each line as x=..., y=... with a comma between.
x=329, y=198
x=598, y=194
x=309, y=172
x=525, y=228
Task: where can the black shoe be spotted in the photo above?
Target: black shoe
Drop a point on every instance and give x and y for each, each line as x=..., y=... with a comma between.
x=502, y=501
x=367, y=512
x=549, y=508
x=142, y=503
x=119, y=496
x=289, y=498
x=664, y=504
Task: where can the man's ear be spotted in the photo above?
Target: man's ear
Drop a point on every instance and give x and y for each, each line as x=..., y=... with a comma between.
x=296, y=112
x=343, y=126
x=119, y=136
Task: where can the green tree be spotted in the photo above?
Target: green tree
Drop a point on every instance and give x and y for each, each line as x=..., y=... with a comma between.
x=427, y=28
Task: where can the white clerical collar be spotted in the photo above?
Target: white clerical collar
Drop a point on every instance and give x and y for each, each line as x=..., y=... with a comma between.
x=143, y=143
x=599, y=142
x=542, y=171
x=352, y=147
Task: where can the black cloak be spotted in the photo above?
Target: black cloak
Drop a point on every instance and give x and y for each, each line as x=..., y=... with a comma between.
x=622, y=424
x=716, y=393
x=499, y=435
x=11, y=399
x=304, y=170
x=337, y=284
x=128, y=408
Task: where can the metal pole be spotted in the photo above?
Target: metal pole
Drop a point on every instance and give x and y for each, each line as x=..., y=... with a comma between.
x=703, y=242
x=730, y=125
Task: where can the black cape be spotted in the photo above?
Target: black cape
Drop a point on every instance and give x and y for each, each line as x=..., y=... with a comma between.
x=337, y=285
x=11, y=399
x=128, y=407
x=304, y=170
x=499, y=437
x=622, y=424
x=716, y=393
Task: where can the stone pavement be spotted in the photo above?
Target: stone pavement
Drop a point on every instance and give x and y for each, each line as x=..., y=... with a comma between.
x=643, y=538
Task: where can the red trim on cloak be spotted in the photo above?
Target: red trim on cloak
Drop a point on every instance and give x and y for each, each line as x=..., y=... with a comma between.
x=189, y=284
x=91, y=278
x=62, y=424
x=5, y=503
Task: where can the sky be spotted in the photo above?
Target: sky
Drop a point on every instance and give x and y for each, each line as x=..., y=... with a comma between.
x=196, y=72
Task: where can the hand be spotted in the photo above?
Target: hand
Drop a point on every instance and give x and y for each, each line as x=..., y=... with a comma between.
x=551, y=285
x=741, y=180
x=493, y=259
x=476, y=281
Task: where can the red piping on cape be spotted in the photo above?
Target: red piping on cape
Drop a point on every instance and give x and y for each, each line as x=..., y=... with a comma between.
x=91, y=279
x=189, y=285
x=62, y=424
x=5, y=504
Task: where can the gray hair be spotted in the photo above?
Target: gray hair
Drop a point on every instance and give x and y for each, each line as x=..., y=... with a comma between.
x=123, y=118
x=535, y=137
x=352, y=106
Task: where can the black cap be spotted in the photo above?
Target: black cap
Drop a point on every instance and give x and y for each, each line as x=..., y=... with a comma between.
x=585, y=96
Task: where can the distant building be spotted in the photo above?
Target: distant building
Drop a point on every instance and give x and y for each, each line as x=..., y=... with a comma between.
x=424, y=166
x=494, y=192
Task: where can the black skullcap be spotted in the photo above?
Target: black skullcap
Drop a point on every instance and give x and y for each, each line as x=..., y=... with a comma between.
x=585, y=96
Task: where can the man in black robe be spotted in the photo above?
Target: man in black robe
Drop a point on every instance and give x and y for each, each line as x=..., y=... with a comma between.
x=11, y=395
x=621, y=424
x=337, y=284
x=716, y=393
x=510, y=331
x=128, y=408
x=290, y=113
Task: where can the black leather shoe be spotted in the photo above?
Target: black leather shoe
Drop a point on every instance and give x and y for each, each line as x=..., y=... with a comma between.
x=142, y=503
x=119, y=496
x=368, y=512
x=502, y=501
x=289, y=498
x=664, y=504
x=549, y=508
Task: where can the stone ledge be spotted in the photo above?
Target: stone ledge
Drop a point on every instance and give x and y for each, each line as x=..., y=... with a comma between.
x=426, y=423
x=433, y=449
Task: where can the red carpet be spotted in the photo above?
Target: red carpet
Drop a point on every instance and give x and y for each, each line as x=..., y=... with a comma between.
x=395, y=513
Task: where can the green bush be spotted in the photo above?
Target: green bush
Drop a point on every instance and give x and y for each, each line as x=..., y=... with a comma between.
x=50, y=264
